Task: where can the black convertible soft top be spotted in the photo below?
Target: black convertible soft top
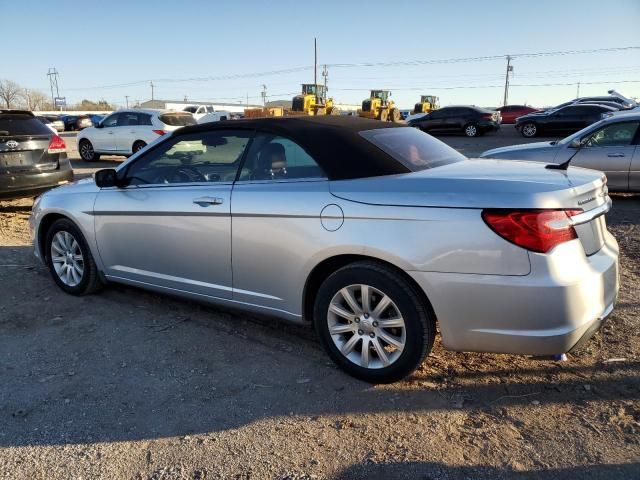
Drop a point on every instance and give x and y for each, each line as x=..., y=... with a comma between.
x=333, y=141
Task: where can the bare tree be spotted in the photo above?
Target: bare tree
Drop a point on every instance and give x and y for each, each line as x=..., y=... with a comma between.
x=10, y=93
x=36, y=100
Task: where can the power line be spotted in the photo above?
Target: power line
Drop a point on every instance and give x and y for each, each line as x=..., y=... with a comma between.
x=495, y=86
x=365, y=64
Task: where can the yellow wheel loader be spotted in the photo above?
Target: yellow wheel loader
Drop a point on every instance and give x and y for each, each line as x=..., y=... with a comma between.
x=313, y=101
x=427, y=104
x=379, y=106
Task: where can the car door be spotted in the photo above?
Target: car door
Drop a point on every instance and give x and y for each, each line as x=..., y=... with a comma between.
x=134, y=126
x=103, y=139
x=170, y=226
x=277, y=205
x=435, y=120
x=565, y=119
x=611, y=150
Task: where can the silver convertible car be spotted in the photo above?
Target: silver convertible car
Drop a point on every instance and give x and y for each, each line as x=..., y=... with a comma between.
x=611, y=145
x=373, y=233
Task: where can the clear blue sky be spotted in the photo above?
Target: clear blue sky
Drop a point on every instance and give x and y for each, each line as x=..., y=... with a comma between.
x=102, y=43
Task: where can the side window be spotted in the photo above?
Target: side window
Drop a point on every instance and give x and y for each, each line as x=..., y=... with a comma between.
x=277, y=158
x=212, y=156
x=144, y=119
x=127, y=119
x=110, y=121
x=614, y=135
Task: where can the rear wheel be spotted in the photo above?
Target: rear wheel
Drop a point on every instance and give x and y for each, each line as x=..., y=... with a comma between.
x=394, y=115
x=471, y=130
x=373, y=323
x=384, y=114
x=86, y=151
x=139, y=145
x=69, y=259
x=529, y=130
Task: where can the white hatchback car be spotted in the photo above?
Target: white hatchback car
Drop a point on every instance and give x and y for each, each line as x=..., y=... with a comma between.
x=126, y=131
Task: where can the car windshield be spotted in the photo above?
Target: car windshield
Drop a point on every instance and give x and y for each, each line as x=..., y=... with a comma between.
x=20, y=124
x=177, y=119
x=414, y=149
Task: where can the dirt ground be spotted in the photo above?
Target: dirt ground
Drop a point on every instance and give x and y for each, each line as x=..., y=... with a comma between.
x=129, y=384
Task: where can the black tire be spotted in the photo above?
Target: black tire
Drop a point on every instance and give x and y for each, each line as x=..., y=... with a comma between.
x=139, y=145
x=419, y=321
x=394, y=115
x=529, y=130
x=471, y=130
x=86, y=151
x=89, y=280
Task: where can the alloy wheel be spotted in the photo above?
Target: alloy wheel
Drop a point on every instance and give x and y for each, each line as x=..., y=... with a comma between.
x=67, y=258
x=86, y=151
x=529, y=130
x=471, y=131
x=366, y=326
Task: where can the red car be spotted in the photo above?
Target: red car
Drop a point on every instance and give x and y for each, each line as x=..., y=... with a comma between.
x=509, y=113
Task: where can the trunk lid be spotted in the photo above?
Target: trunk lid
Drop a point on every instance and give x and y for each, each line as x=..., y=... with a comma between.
x=26, y=154
x=486, y=183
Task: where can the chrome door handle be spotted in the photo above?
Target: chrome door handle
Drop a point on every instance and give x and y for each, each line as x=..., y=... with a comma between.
x=207, y=201
x=615, y=155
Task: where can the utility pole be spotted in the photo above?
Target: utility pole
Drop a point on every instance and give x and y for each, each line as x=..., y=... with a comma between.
x=126, y=97
x=325, y=74
x=247, y=99
x=578, y=92
x=506, y=80
x=264, y=95
x=151, y=82
x=53, y=84
x=315, y=67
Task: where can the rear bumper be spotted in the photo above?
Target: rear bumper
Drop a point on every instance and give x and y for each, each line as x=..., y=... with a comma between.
x=32, y=184
x=489, y=126
x=557, y=307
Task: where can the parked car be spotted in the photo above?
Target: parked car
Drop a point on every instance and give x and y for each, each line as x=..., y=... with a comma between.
x=509, y=113
x=217, y=116
x=470, y=120
x=96, y=119
x=611, y=101
x=369, y=231
x=563, y=120
x=76, y=122
x=126, y=131
x=52, y=121
x=199, y=111
x=610, y=145
x=32, y=157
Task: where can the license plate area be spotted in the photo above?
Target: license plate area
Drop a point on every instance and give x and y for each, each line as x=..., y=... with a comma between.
x=12, y=159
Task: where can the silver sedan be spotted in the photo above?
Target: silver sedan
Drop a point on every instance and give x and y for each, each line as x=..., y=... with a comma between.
x=611, y=145
x=372, y=233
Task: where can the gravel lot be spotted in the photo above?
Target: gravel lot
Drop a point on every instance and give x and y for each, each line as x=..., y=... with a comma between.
x=129, y=384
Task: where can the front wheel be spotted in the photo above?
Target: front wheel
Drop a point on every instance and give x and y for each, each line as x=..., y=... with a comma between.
x=373, y=323
x=471, y=130
x=69, y=259
x=87, y=152
x=529, y=130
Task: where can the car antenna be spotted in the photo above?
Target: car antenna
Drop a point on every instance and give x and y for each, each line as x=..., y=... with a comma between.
x=577, y=144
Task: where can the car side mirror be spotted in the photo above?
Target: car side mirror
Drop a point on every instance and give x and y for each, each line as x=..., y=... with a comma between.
x=577, y=143
x=98, y=125
x=107, y=177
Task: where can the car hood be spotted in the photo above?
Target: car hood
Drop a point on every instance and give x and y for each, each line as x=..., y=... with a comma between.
x=476, y=184
x=503, y=152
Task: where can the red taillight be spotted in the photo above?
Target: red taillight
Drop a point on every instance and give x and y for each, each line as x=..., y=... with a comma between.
x=535, y=230
x=159, y=132
x=56, y=145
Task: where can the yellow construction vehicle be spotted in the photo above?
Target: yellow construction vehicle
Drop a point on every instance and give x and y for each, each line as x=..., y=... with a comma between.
x=427, y=103
x=313, y=101
x=379, y=106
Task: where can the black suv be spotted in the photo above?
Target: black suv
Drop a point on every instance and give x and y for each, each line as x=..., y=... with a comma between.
x=563, y=120
x=32, y=157
x=470, y=120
